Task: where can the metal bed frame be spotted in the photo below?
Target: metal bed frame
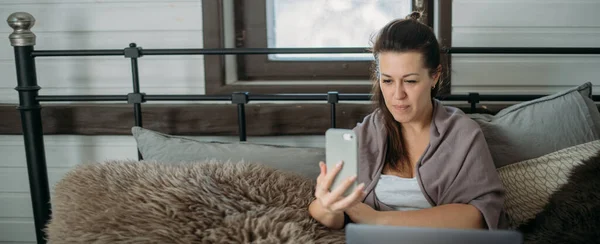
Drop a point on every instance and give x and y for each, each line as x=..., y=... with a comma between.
x=23, y=41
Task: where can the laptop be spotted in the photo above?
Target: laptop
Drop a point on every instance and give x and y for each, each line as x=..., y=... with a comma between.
x=370, y=234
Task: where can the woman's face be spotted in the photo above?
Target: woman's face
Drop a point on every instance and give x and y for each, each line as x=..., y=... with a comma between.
x=406, y=85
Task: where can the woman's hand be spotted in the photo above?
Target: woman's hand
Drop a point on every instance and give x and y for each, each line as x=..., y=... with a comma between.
x=334, y=202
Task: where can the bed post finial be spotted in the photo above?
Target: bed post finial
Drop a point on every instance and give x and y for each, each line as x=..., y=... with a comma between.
x=21, y=23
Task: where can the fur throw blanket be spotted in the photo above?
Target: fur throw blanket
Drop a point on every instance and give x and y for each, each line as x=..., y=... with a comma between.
x=205, y=202
x=572, y=214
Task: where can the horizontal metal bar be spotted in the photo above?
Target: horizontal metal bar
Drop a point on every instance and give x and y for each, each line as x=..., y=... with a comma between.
x=65, y=53
x=508, y=98
x=454, y=97
x=524, y=50
x=278, y=97
x=80, y=98
x=491, y=97
x=231, y=51
x=287, y=97
x=354, y=97
x=187, y=97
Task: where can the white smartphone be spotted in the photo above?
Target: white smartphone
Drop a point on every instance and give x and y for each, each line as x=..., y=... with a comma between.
x=342, y=145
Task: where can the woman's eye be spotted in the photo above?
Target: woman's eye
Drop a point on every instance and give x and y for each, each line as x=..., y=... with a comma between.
x=411, y=81
x=387, y=81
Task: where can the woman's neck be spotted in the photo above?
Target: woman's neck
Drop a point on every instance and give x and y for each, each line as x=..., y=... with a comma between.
x=421, y=124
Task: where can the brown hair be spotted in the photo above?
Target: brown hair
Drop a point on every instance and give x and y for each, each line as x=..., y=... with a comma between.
x=403, y=35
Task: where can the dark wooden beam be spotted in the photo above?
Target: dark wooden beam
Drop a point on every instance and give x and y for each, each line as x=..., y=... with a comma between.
x=196, y=119
x=205, y=119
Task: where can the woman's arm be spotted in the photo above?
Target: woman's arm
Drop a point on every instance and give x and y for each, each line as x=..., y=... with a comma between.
x=331, y=220
x=461, y=216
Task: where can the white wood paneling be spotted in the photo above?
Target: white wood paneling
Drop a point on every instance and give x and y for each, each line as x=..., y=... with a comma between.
x=15, y=180
x=15, y=205
x=111, y=16
x=524, y=23
x=6, y=2
x=525, y=37
x=528, y=23
x=68, y=151
x=17, y=231
x=109, y=40
x=115, y=72
x=523, y=74
x=63, y=24
x=85, y=75
x=525, y=13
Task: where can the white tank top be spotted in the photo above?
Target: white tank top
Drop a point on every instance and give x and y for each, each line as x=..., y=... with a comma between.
x=400, y=193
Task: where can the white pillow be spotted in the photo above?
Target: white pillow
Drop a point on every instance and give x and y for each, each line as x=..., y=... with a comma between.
x=530, y=183
x=164, y=148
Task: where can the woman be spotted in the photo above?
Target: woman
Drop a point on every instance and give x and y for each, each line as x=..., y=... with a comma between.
x=420, y=163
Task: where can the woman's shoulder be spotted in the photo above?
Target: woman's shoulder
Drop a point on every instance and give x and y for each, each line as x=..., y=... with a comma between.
x=449, y=119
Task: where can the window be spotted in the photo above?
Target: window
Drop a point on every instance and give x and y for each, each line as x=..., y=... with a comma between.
x=333, y=23
x=298, y=24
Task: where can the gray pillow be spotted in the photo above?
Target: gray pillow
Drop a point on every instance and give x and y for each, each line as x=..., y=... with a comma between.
x=538, y=127
x=165, y=148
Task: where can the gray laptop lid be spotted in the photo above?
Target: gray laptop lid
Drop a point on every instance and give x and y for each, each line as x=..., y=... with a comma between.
x=362, y=234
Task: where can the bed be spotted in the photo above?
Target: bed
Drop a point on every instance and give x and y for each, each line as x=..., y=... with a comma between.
x=518, y=137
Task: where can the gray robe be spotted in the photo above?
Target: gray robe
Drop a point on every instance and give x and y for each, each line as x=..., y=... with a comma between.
x=456, y=167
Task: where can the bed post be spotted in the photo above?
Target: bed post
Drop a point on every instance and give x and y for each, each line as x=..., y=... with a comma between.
x=333, y=98
x=23, y=40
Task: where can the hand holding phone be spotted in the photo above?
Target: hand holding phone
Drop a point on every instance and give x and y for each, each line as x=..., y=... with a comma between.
x=337, y=188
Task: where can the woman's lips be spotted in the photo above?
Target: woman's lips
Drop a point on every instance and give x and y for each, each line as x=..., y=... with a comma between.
x=401, y=107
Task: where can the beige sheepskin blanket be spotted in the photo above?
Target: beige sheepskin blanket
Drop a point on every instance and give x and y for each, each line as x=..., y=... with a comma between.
x=205, y=202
